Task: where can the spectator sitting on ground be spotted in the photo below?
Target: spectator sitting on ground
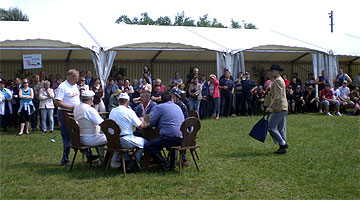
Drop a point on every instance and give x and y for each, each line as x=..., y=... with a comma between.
x=341, y=77
x=310, y=99
x=89, y=120
x=156, y=94
x=291, y=99
x=258, y=98
x=355, y=94
x=344, y=97
x=299, y=100
x=327, y=99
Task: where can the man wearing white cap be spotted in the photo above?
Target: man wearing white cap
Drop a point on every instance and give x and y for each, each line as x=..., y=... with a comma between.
x=89, y=120
x=126, y=118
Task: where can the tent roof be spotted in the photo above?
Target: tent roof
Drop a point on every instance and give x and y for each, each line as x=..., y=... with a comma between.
x=174, y=42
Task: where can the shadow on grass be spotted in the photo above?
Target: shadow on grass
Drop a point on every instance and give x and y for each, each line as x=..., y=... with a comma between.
x=50, y=169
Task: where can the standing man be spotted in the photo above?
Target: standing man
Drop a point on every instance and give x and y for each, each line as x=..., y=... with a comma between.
x=89, y=79
x=248, y=86
x=168, y=117
x=67, y=97
x=176, y=81
x=278, y=109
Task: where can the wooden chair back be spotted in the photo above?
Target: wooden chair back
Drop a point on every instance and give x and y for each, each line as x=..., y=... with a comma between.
x=72, y=127
x=189, y=129
x=112, y=132
x=194, y=113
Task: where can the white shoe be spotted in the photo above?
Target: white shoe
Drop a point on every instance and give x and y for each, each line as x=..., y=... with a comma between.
x=328, y=114
x=320, y=111
x=115, y=165
x=338, y=114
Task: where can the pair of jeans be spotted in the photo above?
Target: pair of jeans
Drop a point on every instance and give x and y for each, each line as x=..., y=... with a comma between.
x=277, y=127
x=211, y=102
x=216, y=106
x=4, y=118
x=44, y=114
x=65, y=136
x=194, y=104
x=247, y=99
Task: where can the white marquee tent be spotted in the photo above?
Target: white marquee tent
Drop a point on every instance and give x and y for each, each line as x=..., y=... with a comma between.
x=229, y=47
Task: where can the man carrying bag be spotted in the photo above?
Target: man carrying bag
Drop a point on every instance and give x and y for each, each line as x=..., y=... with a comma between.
x=278, y=109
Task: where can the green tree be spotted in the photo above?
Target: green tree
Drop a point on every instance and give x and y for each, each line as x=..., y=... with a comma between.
x=145, y=19
x=248, y=25
x=235, y=24
x=217, y=24
x=123, y=19
x=181, y=20
x=163, y=21
x=203, y=21
x=13, y=14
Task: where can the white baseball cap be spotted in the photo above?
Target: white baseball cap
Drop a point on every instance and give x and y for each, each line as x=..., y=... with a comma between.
x=87, y=93
x=124, y=95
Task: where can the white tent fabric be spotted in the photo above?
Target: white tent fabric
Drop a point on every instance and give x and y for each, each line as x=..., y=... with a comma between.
x=233, y=62
x=104, y=39
x=103, y=62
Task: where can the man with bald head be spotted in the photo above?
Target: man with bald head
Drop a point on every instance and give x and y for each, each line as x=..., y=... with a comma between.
x=67, y=97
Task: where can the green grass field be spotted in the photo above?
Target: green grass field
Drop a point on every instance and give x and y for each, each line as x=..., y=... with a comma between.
x=322, y=163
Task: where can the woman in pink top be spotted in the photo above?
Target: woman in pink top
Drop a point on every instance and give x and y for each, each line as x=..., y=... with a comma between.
x=214, y=92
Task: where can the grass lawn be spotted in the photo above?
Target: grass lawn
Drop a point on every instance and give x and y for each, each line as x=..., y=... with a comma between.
x=322, y=163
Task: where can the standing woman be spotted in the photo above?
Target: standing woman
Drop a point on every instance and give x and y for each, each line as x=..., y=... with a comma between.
x=99, y=95
x=195, y=94
x=214, y=83
x=26, y=94
x=47, y=106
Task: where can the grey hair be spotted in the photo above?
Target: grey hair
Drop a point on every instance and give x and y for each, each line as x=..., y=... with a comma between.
x=47, y=82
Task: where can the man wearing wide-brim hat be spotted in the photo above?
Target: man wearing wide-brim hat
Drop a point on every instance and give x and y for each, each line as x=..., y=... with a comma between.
x=278, y=109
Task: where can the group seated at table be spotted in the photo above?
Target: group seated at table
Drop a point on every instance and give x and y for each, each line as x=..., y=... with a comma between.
x=167, y=117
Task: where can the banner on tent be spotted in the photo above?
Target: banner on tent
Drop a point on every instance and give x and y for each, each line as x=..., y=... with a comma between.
x=32, y=61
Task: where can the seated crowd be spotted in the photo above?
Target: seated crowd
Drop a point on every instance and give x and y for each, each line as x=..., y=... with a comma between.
x=128, y=102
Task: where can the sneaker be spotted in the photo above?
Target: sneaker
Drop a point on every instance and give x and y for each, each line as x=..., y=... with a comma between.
x=67, y=163
x=329, y=114
x=338, y=114
x=321, y=112
x=233, y=115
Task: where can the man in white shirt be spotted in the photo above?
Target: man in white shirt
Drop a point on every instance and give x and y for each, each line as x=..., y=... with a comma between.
x=89, y=119
x=126, y=119
x=67, y=97
x=344, y=96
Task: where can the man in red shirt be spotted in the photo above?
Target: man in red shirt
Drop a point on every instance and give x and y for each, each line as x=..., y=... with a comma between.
x=327, y=99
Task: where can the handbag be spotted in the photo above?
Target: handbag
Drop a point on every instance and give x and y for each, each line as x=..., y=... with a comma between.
x=259, y=131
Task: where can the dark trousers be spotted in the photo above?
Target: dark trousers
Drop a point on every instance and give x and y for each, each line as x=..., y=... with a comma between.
x=239, y=98
x=155, y=145
x=203, y=109
x=257, y=107
x=246, y=100
x=225, y=105
x=65, y=136
x=34, y=116
x=4, y=118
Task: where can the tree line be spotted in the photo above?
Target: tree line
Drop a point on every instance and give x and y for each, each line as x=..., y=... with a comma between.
x=15, y=14
x=182, y=20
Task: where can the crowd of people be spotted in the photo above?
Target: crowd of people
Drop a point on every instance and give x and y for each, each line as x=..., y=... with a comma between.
x=28, y=103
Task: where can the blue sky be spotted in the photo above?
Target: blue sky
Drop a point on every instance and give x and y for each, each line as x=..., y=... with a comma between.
x=279, y=15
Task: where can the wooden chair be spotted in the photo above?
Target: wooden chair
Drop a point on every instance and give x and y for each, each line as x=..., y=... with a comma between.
x=194, y=113
x=112, y=132
x=189, y=129
x=73, y=129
